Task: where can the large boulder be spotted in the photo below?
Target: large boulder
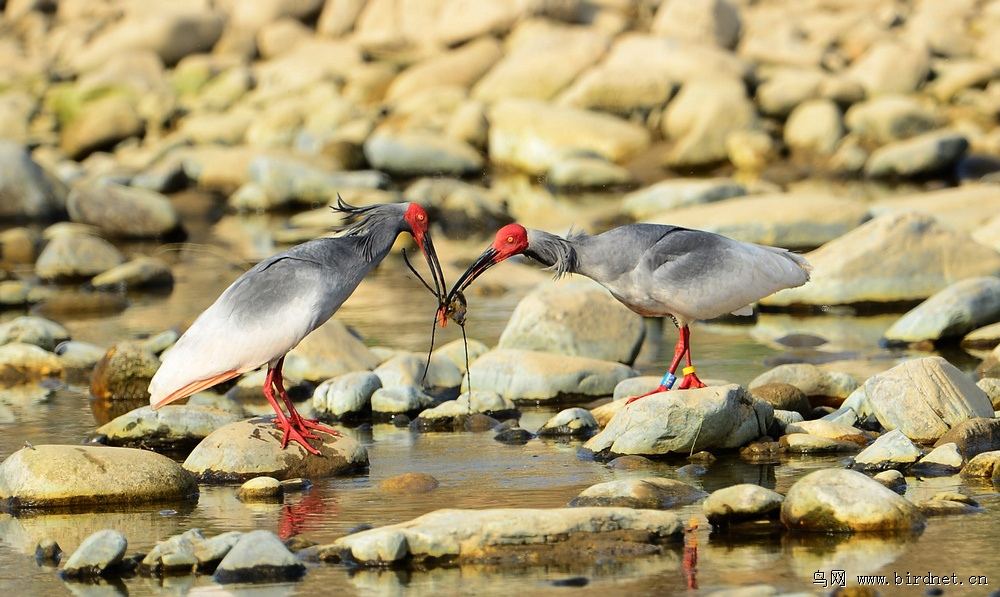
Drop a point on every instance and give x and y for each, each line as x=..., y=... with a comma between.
x=949, y=313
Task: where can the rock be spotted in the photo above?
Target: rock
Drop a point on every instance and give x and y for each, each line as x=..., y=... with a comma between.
x=783, y=396
x=816, y=383
x=991, y=386
x=680, y=192
x=419, y=153
x=171, y=427
x=258, y=556
x=188, y=552
x=456, y=413
x=75, y=256
x=684, y=421
x=514, y=437
x=973, y=437
x=806, y=443
x=19, y=245
x=654, y=493
x=100, y=125
x=948, y=504
x=575, y=317
x=409, y=483
x=330, y=350
x=892, y=450
x=463, y=207
x=740, y=503
x=990, y=367
x=815, y=126
x=751, y=150
x=832, y=430
x=984, y=338
x=931, y=153
x=469, y=536
x=924, y=398
x=124, y=373
x=542, y=58
x=532, y=136
x=587, y=173
x=23, y=363
x=715, y=20
x=246, y=449
x=843, y=501
x=48, y=551
x=404, y=369
x=139, y=272
x=894, y=257
x=960, y=208
x=890, y=118
x=527, y=375
x=26, y=190
x=984, y=464
x=37, y=477
x=698, y=120
x=293, y=180
x=122, y=211
x=399, y=399
x=892, y=479
x=97, y=554
x=460, y=67
x=944, y=460
x=347, y=395
x=790, y=220
x=261, y=489
x=570, y=421
x=27, y=329
x=890, y=67
x=949, y=313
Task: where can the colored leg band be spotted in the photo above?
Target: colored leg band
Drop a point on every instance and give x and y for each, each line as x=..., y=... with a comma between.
x=688, y=370
x=668, y=380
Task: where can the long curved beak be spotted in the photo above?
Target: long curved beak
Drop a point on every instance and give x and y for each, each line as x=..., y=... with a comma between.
x=427, y=248
x=488, y=259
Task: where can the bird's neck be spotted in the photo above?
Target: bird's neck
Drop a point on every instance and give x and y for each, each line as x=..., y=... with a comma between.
x=554, y=251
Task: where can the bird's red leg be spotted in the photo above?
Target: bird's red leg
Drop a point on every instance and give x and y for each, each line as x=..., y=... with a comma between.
x=668, y=378
x=300, y=423
x=291, y=431
x=690, y=379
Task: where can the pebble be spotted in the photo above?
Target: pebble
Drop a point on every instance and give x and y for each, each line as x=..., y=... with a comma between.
x=408, y=483
x=261, y=489
x=572, y=422
x=891, y=450
x=258, y=556
x=740, y=503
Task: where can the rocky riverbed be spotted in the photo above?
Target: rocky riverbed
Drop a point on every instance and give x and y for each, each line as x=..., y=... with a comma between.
x=150, y=152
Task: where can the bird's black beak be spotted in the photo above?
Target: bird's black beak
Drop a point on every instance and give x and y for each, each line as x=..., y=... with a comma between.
x=484, y=262
x=440, y=286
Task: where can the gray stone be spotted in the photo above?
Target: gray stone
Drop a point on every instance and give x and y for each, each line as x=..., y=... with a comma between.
x=470, y=536
x=654, y=493
x=698, y=120
x=587, y=173
x=171, y=426
x=302, y=182
x=930, y=153
x=261, y=489
x=892, y=479
x=924, y=398
x=481, y=401
x=783, y=396
x=806, y=443
x=405, y=369
x=100, y=551
x=973, y=436
x=813, y=381
x=330, y=350
x=398, y=399
x=680, y=192
x=463, y=207
x=986, y=337
x=28, y=329
x=258, y=556
x=26, y=190
x=739, y=503
x=832, y=430
x=945, y=459
x=139, y=272
x=246, y=449
x=53, y=476
x=843, y=501
x=122, y=211
x=346, y=394
x=949, y=313
x=890, y=118
x=697, y=21
x=418, y=153
x=892, y=450
x=460, y=67
x=991, y=385
x=894, y=257
x=685, y=421
x=984, y=465
x=409, y=483
x=75, y=256
x=570, y=421
x=890, y=67
x=527, y=375
x=575, y=317
x=814, y=126
x=79, y=355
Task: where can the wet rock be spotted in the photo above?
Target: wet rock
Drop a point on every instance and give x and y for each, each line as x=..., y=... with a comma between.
x=399, y=399
x=533, y=136
x=122, y=211
x=890, y=118
x=571, y=421
x=330, y=350
x=100, y=125
x=949, y=313
x=456, y=413
x=346, y=396
x=246, y=449
x=740, y=503
x=930, y=153
x=990, y=367
x=944, y=460
x=26, y=189
x=514, y=437
x=140, y=272
x=685, y=421
x=188, y=552
x=819, y=385
x=469, y=536
x=676, y=193
x=973, y=436
x=124, y=373
x=700, y=117
x=655, y=493
x=843, y=501
x=984, y=465
x=409, y=483
x=527, y=375
x=47, y=551
x=991, y=385
x=27, y=329
x=832, y=430
x=629, y=463
x=783, y=396
x=575, y=317
x=99, y=553
x=588, y=173
x=261, y=489
x=891, y=450
x=892, y=479
x=984, y=338
x=805, y=443
x=37, y=477
x=924, y=398
x=258, y=556
x=23, y=363
x=403, y=369
x=171, y=427
x=946, y=504
x=815, y=126
x=418, y=153
x=76, y=256
x=890, y=67
x=895, y=257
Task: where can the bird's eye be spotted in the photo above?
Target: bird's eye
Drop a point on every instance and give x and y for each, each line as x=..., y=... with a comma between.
x=510, y=239
x=420, y=217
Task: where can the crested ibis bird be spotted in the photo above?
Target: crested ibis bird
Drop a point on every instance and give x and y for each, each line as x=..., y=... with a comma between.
x=269, y=309
x=656, y=270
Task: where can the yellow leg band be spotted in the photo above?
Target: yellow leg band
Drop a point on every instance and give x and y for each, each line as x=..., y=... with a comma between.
x=687, y=370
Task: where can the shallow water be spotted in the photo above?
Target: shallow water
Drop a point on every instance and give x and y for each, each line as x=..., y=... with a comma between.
x=392, y=309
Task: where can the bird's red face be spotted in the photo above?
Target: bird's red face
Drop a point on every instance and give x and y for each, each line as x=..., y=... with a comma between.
x=417, y=218
x=511, y=240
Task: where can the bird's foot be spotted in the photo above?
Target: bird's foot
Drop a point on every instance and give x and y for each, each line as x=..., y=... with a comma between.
x=291, y=433
x=690, y=380
x=315, y=424
x=660, y=388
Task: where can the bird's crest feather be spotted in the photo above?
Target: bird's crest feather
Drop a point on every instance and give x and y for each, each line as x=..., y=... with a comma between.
x=368, y=217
